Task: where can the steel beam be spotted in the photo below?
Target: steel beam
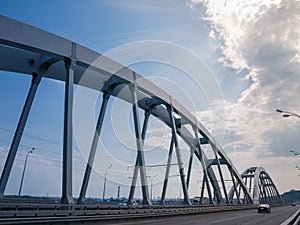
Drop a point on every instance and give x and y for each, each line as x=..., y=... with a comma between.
x=246, y=181
x=67, y=197
x=190, y=167
x=136, y=167
x=139, y=143
x=240, y=189
x=205, y=177
x=275, y=194
x=178, y=154
x=133, y=182
x=250, y=185
x=234, y=185
x=221, y=174
x=204, y=166
x=270, y=186
x=163, y=195
x=263, y=188
x=260, y=193
x=18, y=133
x=202, y=189
x=96, y=137
x=270, y=197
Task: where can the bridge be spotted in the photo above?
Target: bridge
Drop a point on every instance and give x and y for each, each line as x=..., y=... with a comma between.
x=28, y=50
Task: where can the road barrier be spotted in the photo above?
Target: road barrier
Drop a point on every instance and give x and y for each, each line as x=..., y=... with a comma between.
x=293, y=220
x=57, y=213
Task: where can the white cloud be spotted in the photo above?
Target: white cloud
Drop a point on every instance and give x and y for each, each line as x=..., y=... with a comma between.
x=263, y=38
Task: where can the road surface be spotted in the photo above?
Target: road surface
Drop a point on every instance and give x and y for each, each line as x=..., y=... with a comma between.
x=247, y=217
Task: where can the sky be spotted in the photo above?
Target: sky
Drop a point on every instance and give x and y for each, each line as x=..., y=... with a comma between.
x=232, y=63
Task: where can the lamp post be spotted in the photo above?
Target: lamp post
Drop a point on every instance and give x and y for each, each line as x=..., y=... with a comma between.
x=294, y=152
x=105, y=182
x=180, y=188
x=287, y=113
x=21, y=184
x=151, y=187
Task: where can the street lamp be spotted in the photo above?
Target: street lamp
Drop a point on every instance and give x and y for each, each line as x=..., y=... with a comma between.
x=294, y=152
x=21, y=184
x=151, y=187
x=105, y=182
x=287, y=113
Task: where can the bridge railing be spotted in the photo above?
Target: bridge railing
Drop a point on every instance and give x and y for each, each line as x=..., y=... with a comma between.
x=9, y=210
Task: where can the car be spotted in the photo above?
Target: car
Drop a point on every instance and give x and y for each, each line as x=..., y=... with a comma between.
x=293, y=204
x=134, y=203
x=264, y=208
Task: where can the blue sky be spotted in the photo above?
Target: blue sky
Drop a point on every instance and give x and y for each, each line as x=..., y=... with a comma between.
x=251, y=50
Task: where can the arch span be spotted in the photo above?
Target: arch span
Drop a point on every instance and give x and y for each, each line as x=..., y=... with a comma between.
x=28, y=50
x=260, y=186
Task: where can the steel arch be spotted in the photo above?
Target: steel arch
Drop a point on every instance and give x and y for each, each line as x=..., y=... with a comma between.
x=29, y=50
x=260, y=186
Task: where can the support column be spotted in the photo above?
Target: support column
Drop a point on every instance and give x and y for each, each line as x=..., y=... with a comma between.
x=67, y=197
x=271, y=193
x=178, y=154
x=246, y=181
x=136, y=167
x=273, y=188
x=139, y=143
x=190, y=168
x=205, y=175
x=221, y=175
x=264, y=189
x=166, y=180
x=18, y=133
x=250, y=185
x=211, y=199
x=240, y=188
x=96, y=137
x=133, y=182
x=261, y=194
x=202, y=189
x=234, y=185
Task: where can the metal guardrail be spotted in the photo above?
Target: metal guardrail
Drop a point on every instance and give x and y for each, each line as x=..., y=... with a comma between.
x=46, y=213
x=293, y=220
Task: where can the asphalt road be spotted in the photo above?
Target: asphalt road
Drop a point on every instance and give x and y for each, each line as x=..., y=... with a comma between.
x=247, y=217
